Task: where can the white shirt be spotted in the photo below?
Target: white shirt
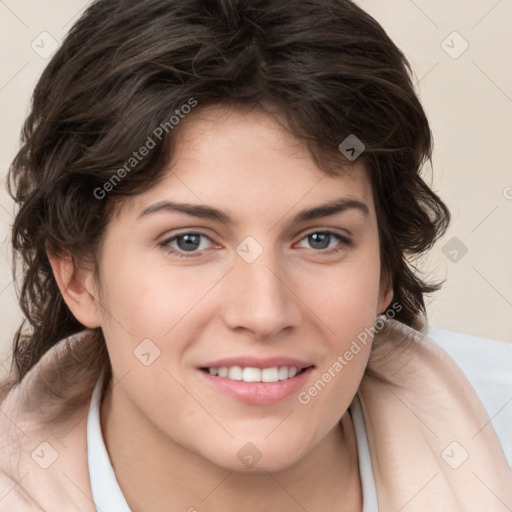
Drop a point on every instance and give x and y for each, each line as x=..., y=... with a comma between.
x=108, y=496
x=105, y=489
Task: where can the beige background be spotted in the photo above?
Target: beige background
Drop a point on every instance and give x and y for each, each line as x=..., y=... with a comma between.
x=468, y=98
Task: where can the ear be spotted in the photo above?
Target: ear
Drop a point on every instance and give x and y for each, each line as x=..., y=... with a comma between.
x=77, y=287
x=385, y=295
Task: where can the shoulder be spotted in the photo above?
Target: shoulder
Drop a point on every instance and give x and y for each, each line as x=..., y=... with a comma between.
x=487, y=364
x=424, y=419
x=43, y=448
x=446, y=377
x=441, y=361
x=60, y=382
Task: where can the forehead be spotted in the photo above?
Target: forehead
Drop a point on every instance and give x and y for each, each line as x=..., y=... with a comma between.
x=250, y=164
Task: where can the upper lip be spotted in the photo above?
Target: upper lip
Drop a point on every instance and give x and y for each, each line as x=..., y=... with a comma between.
x=257, y=362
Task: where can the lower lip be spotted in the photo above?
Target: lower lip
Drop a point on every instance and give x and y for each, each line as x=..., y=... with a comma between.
x=258, y=393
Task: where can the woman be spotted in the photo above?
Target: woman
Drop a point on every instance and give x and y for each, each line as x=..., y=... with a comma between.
x=218, y=205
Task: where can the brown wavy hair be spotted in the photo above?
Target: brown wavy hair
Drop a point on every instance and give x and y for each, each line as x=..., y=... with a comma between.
x=325, y=66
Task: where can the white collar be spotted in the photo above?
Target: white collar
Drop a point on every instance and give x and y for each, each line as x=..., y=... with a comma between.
x=106, y=492
x=370, y=502
x=108, y=495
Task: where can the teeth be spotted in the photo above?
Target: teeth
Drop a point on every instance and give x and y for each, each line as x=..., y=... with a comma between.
x=249, y=374
x=235, y=373
x=283, y=373
x=270, y=374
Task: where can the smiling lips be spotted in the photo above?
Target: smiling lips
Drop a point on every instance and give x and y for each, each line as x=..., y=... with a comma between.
x=257, y=381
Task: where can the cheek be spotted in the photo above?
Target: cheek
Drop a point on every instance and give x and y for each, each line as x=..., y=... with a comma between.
x=148, y=299
x=160, y=303
x=348, y=315
x=344, y=296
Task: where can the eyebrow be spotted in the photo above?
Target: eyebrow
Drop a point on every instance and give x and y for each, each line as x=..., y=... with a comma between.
x=208, y=212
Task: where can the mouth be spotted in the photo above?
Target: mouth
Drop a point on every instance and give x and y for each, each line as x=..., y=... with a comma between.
x=255, y=381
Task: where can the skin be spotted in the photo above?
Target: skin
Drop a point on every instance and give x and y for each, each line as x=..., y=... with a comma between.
x=173, y=439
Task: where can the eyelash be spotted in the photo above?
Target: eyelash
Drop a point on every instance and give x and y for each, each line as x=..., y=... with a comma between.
x=345, y=241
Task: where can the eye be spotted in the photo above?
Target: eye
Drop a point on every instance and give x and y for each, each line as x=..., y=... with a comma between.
x=321, y=240
x=189, y=242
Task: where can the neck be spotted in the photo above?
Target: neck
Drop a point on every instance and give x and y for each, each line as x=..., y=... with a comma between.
x=153, y=470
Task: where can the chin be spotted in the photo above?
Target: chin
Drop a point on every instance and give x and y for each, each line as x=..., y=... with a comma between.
x=259, y=455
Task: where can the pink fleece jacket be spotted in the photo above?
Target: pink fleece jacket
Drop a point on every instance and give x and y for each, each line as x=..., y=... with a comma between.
x=432, y=445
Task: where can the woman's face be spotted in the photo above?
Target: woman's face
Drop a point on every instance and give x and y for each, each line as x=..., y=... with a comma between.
x=262, y=278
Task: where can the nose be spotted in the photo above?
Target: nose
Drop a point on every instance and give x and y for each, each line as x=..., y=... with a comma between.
x=260, y=298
